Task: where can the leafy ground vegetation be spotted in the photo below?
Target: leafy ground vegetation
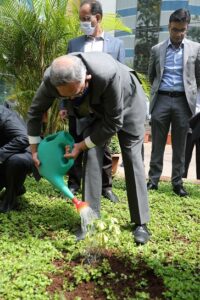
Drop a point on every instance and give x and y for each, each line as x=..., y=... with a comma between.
x=40, y=259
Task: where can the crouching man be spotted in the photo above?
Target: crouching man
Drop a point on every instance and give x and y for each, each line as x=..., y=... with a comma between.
x=15, y=158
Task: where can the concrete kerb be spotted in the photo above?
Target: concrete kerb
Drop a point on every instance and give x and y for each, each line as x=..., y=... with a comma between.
x=166, y=174
x=120, y=174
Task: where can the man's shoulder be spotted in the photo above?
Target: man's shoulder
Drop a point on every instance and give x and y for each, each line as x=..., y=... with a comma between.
x=192, y=43
x=4, y=111
x=77, y=39
x=9, y=114
x=97, y=66
x=91, y=57
x=112, y=38
x=159, y=45
x=76, y=44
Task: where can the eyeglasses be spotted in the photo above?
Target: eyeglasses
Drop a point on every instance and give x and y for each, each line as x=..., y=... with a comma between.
x=176, y=30
x=86, y=18
x=80, y=94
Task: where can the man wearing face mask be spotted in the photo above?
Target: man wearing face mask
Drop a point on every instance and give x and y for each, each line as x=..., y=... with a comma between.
x=93, y=40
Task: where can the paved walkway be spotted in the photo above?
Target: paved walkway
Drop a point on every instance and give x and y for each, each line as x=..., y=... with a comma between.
x=167, y=164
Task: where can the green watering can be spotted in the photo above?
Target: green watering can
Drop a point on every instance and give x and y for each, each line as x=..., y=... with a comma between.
x=54, y=166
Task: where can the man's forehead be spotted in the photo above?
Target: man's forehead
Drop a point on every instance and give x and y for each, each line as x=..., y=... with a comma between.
x=85, y=9
x=178, y=24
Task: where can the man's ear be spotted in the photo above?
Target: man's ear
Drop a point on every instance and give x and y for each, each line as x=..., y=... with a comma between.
x=88, y=77
x=99, y=18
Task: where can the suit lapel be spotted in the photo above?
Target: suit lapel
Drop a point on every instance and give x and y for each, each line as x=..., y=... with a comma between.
x=79, y=44
x=186, y=52
x=81, y=48
x=163, y=49
x=106, y=44
x=82, y=43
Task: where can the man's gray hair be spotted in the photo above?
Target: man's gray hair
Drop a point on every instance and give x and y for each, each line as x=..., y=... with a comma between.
x=66, y=69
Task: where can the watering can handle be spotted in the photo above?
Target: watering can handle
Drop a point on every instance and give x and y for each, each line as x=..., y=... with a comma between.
x=64, y=161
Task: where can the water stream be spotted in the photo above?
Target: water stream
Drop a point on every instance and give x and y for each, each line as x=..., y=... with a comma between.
x=87, y=217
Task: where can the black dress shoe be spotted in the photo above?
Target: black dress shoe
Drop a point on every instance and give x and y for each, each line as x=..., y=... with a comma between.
x=21, y=191
x=141, y=234
x=108, y=194
x=180, y=191
x=151, y=186
x=7, y=206
x=2, y=194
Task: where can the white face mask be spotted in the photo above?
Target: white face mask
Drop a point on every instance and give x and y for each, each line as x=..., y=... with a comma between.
x=87, y=28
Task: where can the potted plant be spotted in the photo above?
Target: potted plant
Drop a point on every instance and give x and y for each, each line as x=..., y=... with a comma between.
x=115, y=153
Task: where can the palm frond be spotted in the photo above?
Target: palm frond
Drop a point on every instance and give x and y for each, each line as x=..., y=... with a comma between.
x=113, y=21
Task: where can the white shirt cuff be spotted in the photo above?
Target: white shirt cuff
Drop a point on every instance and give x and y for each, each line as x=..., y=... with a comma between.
x=89, y=143
x=34, y=139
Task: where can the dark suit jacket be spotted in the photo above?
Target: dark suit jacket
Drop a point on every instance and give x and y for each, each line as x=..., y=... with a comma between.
x=116, y=99
x=13, y=134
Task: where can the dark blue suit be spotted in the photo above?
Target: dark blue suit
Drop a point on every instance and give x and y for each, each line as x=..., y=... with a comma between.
x=111, y=45
x=15, y=157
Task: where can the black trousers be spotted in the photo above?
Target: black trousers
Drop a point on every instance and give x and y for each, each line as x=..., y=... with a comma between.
x=76, y=172
x=188, y=155
x=13, y=173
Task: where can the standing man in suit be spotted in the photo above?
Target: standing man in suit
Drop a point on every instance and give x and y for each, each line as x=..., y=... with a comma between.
x=94, y=39
x=174, y=72
x=106, y=102
x=15, y=158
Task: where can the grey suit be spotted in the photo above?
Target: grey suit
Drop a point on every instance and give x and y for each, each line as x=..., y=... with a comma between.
x=118, y=104
x=175, y=111
x=115, y=48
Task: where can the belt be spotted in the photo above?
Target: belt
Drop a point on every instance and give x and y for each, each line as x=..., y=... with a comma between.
x=171, y=94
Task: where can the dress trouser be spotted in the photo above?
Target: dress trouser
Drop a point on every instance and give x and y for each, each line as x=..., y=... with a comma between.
x=188, y=155
x=13, y=173
x=75, y=173
x=168, y=111
x=134, y=174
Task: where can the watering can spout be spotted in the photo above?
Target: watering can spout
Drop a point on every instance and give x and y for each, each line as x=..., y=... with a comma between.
x=59, y=183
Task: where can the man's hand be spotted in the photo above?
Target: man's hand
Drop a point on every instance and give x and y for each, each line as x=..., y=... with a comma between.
x=77, y=149
x=36, y=160
x=63, y=114
x=34, y=155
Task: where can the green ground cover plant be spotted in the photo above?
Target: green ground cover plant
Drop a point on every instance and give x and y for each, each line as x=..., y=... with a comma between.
x=40, y=259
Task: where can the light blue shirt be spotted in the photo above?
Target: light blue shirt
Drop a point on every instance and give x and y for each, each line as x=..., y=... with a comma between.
x=172, y=79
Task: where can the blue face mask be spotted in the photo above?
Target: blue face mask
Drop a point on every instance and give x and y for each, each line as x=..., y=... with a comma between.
x=87, y=28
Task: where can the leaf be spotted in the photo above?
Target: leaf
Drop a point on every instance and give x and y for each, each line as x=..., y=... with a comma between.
x=114, y=22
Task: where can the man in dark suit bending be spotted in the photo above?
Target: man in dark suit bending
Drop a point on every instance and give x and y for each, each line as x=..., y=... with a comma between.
x=105, y=103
